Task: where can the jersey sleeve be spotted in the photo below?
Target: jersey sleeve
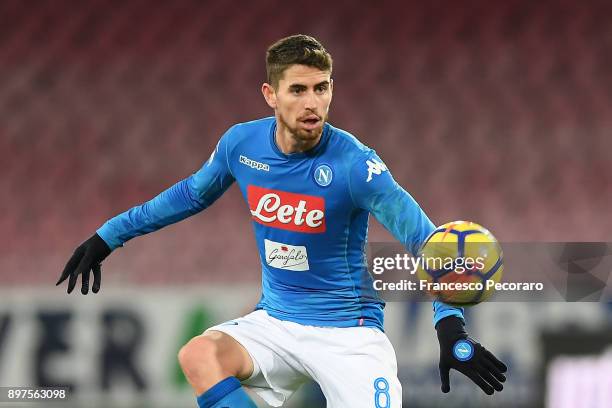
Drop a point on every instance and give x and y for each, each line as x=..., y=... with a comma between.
x=374, y=189
x=442, y=310
x=184, y=199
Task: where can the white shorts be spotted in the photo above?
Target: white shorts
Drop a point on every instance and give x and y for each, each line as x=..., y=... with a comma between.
x=355, y=366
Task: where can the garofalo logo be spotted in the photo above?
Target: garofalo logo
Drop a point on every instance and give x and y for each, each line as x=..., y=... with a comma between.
x=285, y=256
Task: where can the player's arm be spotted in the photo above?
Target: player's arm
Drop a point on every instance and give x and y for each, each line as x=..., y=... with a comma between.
x=374, y=189
x=182, y=200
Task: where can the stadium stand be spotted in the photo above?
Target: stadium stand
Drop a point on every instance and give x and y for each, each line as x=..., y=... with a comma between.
x=497, y=112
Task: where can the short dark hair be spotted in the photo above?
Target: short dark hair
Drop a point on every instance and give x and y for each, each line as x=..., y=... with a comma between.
x=296, y=49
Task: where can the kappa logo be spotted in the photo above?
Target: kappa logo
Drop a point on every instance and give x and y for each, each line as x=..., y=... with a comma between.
x=375, y=167
x=254, y=164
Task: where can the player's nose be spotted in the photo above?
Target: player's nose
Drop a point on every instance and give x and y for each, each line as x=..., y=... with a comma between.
x=310, y=102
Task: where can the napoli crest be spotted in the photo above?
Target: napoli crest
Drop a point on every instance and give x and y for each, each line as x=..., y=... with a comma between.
x=323, y=175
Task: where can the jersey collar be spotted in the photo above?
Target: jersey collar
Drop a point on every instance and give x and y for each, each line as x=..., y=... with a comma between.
x=309, y=153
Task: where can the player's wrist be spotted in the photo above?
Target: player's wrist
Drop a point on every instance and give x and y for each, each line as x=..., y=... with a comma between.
x=98, y=247
x=450, y=329
x=450, y=324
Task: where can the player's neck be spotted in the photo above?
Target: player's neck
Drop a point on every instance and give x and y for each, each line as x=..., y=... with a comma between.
x=289, y=143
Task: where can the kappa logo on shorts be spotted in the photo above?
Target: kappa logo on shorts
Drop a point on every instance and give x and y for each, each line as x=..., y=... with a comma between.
x=285, y=256
x=288, y=211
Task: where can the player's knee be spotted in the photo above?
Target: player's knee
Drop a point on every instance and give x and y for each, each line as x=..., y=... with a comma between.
x=199, y=356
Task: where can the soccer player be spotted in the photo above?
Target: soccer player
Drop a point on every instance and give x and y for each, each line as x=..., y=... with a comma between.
x=310, y=188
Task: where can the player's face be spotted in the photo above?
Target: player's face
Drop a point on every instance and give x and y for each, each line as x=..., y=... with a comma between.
x=301, y=102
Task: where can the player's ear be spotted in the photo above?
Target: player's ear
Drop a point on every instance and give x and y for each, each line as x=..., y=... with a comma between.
x=269, y=94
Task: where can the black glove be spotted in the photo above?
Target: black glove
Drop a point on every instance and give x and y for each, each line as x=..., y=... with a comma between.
x=87, y=257
x=465, y=355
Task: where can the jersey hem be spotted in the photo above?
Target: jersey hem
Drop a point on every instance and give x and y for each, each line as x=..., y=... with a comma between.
x=344, y=323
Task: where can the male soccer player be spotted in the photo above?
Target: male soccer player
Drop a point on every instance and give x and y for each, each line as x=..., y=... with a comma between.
x=310, y=188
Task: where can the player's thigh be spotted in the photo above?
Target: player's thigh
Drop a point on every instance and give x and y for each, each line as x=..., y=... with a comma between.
x=362, y=386
x=278, y=371
x=232, y=355
x=360, y=375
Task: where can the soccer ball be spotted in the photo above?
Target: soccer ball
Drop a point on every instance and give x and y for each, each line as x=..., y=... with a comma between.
x=460, y=263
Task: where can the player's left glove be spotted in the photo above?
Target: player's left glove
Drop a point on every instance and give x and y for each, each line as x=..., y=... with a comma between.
x=465, y=355
x=87, y=257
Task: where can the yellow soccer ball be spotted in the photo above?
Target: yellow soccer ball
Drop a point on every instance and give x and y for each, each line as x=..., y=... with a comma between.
x=460, y=263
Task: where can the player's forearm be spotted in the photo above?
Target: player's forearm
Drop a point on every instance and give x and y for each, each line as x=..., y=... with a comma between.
x=184, y=199
x=173, y=205
x=408, y=223
x=402, y=217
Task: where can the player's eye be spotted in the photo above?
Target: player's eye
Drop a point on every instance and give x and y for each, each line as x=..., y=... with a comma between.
x=321, y=88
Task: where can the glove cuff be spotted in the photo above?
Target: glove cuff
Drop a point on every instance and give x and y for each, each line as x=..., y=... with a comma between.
x=99, y=247
x=451, y=327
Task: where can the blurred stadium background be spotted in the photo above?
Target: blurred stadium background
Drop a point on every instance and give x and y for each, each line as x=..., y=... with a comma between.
x=500, y=112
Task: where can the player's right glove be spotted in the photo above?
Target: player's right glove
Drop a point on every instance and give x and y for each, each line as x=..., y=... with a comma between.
x=465, y=355
x=87, y=257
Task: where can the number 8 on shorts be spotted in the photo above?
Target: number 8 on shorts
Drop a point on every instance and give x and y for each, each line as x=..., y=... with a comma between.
x=381, y=396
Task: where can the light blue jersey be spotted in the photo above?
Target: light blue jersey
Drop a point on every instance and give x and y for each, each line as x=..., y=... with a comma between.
x=310, y=217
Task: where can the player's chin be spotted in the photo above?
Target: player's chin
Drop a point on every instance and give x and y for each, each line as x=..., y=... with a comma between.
x=308, y=136
x=310, y=133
